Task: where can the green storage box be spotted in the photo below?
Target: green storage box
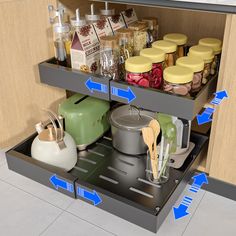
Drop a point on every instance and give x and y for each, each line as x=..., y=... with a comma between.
x=86, y=118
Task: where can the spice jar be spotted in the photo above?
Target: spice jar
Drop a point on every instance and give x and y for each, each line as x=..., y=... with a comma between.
x=153, y=27
x=109, y=56
x=140, y=36
x=126, y=45
x=197, y=66
x=169, y=48
x=207, y=55
x=107, y=12
x=157, y=56
x=92, y=17
x=180, y=40
x=178, y=80
x=216, y=45
x=138, y=71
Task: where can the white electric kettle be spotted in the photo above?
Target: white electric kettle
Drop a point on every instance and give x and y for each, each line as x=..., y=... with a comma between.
x=54, y=146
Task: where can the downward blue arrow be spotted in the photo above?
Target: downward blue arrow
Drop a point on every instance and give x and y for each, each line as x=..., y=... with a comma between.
x=90, y=196
x=203, y=118
x=60, y=183
x=95, y=86
x=180, y=212
x=221, y=95
x=123, y=93
x=200, y=179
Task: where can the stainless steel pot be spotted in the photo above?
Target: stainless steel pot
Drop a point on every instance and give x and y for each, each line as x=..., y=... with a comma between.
x=126, y=126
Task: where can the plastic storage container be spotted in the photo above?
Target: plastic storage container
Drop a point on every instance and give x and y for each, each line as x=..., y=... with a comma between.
x=178, y=80
x=157, y=56
x=153, y=27
x=138, y=71
x=92, y=17
x=180, y=40
x=107, y=12
x=169, y=48
x=197, y=66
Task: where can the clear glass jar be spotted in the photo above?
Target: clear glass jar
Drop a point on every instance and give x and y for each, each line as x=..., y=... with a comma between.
x=153, y=28
x=178, y=80
x=169, y=48
x=138, y=71
x=180, y=40
x=92, y=17
x=109, y=56
x=157, y=56
x=107, y=12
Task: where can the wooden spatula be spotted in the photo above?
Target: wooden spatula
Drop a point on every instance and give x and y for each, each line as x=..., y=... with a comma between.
x=148, y=138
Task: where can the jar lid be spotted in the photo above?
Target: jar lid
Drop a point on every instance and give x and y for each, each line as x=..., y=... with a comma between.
x=178, y=75
x=138, y=25
x=156, y=55
x=109, y=41
x=78, y=23
x=193, y=63
x=138, y=64
x=151, y=21
x=179, y=39
x=125, y=33
x=61, y=28
x=166, y=46
x=205, y=53
x=213, y=43
x=107, y=12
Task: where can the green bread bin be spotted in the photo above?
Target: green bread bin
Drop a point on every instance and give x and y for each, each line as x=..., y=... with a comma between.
x=86, y=118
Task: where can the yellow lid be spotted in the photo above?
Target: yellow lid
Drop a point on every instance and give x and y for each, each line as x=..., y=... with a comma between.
x=166, y=46
x=156, y=55
x=193, y=63
x=179, y=39
x=138, y=64
x=214, y=43
x=178, y=75
x=205, y=53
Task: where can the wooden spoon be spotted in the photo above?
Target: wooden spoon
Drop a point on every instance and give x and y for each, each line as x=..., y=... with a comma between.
x=148, y=138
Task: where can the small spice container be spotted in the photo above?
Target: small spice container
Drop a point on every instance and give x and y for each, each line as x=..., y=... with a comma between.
x=197, y=66
x=92, y=17
x=216, y=45
x=169, y=48
x=138, y=71
x=178, y=80
x=126, y=45
x=153, y=27
x=109, y=56
x=207, y=55
x=157, y=56
x=180, y=40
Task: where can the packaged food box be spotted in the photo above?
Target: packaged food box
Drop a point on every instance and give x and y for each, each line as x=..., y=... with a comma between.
x=116, y=22
x=129, y=16
x=103, y=28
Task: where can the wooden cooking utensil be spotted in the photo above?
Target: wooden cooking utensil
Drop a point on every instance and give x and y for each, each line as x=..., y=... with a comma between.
x=148, y=138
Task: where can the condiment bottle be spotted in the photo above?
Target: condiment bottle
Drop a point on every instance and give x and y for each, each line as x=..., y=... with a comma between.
x=197, y=66
x=92, y=17
x=107, y=12
x=153, y=28
x=138, y=71
x=109, y=56
x=216, y=45
x=126, y=44
x=207, y=55
x=180, y=40
x=169, y=48
x=157, y=56
x=178, y=80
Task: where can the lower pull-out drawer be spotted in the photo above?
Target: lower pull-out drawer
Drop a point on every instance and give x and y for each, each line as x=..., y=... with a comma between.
x=111, y=181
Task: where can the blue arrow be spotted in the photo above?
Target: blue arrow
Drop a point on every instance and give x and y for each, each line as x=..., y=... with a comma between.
x=59, y=183
x=180, y=212
x=203, y=118
x=221, y=95
x=200, y=179
x=90, y=196
x=122, y=93
x=94, y=86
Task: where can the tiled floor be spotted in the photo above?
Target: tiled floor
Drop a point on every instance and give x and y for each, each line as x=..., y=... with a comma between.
x=28, y=208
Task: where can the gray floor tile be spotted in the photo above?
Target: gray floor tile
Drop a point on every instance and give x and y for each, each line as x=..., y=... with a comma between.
x=22, y=213
x=215, y=215
x=2, y=158
x=70, y=225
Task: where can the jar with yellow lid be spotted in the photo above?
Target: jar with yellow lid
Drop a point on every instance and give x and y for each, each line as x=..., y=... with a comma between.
x=216, y=45
x=109, y=56
x=180, y=40
x=178, y=80
x=197, y=66
x=157, y=56
x=207, y=55
x=169, y=48
x=138, y=71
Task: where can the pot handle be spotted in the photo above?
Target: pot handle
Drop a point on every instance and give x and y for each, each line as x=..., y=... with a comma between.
x=137, y=109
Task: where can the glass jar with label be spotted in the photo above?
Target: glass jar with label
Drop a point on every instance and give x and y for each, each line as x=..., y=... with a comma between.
x=107, y=12
x=197, y=66
x=207, y=55
x=92, y=17
x=178, y=80
x=157, y=56
x=169, y=48
x=138, y=71
x=216, y=45
x=153, y=28
x=109, y=56
x=180, y=40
